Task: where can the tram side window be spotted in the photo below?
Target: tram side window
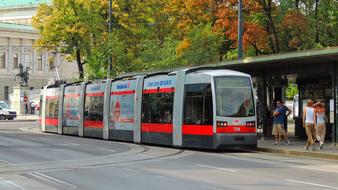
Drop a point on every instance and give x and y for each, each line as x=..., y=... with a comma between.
x=157, y=108
x=198, y=104
x=52, y=108
x=94, y=108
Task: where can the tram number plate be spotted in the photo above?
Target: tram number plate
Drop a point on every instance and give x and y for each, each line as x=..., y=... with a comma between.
x=237, y=129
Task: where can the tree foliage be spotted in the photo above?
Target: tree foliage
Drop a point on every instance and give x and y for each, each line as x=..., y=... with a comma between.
x=157, y=34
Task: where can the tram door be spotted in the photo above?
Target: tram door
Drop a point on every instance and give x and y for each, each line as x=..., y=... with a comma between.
x=157, y=110
x=52, y=109
x=121, y=117
x=197, y=129
x=71, y=110
x=93, y=110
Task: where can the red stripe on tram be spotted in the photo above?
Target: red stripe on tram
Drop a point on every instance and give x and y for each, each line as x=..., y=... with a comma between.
x=95, y=94
x=52, y=97
x=197, y=130
x=157, y=128
x=123, y=92
x=93, y=124
x=160, y=90
x=72, y=95
x=51, y=121
x=236, y=129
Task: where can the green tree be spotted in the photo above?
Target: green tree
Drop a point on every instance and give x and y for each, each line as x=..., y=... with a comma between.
x=291, y=91
x=201, y=46
x=74, y=26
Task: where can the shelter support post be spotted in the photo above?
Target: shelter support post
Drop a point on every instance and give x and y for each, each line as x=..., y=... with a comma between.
x=335, y=98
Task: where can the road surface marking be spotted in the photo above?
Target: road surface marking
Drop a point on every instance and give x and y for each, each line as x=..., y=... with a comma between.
x=132, y=170
x=105, y=149
x=217, y=168
x=57, y=153
x=12, y=183
x=51, y=179
x=167, y=178
x=328, y=168
x=313, y=184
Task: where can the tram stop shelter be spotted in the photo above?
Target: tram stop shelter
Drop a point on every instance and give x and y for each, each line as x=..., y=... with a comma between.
x=315, y=72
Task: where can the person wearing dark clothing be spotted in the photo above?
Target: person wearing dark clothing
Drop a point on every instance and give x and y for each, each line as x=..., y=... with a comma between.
x=279, y=114
x=26, y=108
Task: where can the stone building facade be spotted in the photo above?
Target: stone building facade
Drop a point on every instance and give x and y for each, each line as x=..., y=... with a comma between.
x=17, y=37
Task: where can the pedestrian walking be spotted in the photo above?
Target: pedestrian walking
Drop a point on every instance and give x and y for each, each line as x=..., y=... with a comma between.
x=320, y=123
x=278, y=123
x=309, y=118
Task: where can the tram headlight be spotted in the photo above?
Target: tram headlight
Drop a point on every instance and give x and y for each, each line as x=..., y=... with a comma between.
x=222, y=124
x=250, y=124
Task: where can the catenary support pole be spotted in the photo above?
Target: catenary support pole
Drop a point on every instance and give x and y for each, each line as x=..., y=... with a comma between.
x=110, y=30
x=240, y=30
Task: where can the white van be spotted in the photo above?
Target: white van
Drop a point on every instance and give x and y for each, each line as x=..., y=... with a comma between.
x=6, y=112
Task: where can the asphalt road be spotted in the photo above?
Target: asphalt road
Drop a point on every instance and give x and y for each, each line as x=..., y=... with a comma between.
x=31, y=160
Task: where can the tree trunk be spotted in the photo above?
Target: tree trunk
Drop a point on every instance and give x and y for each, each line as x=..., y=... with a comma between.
x=79, y=63
x=317, y=23
x=297, y=4
x=275, y=39
x=271, y=29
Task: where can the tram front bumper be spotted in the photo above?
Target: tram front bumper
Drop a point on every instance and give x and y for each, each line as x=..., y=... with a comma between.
x=236, y=141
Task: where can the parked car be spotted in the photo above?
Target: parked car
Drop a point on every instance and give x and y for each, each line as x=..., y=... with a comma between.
x=6, y=112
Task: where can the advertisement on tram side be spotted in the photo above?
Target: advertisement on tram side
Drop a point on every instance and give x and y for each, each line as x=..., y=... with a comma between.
x=122, y=105
x=161, y=83
x=71, y=106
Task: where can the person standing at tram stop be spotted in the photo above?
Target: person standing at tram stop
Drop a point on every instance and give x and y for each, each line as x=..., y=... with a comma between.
x=309, y=118
x=320, y=123
x=280, y=113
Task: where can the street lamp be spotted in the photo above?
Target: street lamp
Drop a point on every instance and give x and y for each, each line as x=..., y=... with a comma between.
x=110, y=30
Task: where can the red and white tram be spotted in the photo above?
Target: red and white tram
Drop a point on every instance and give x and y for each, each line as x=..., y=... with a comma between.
x=208, y=108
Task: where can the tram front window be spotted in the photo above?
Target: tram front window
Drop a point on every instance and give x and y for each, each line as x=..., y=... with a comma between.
x=234, y=97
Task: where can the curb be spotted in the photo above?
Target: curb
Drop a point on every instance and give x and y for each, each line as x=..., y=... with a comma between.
x=18, y=120
x=299, y=153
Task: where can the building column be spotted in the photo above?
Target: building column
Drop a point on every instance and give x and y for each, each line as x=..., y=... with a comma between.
x=10, y=59
x=34, y=61
x=22, y=53
x=45, y=62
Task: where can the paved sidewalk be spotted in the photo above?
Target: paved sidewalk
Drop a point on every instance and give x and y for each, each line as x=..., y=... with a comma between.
x=296, y=148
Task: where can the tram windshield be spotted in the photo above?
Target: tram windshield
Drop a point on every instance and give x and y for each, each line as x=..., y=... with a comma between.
x=234, y=97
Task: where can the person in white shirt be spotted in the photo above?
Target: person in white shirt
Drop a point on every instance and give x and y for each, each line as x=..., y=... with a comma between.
x=320, y=123
x=309, y=118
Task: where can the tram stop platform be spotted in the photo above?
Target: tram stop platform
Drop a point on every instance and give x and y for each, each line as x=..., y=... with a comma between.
x=296, y=148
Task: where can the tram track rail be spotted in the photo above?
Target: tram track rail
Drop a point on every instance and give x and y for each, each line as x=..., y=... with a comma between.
x=94, y=162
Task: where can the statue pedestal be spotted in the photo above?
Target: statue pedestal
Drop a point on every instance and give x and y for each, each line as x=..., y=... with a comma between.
x=20, y=98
